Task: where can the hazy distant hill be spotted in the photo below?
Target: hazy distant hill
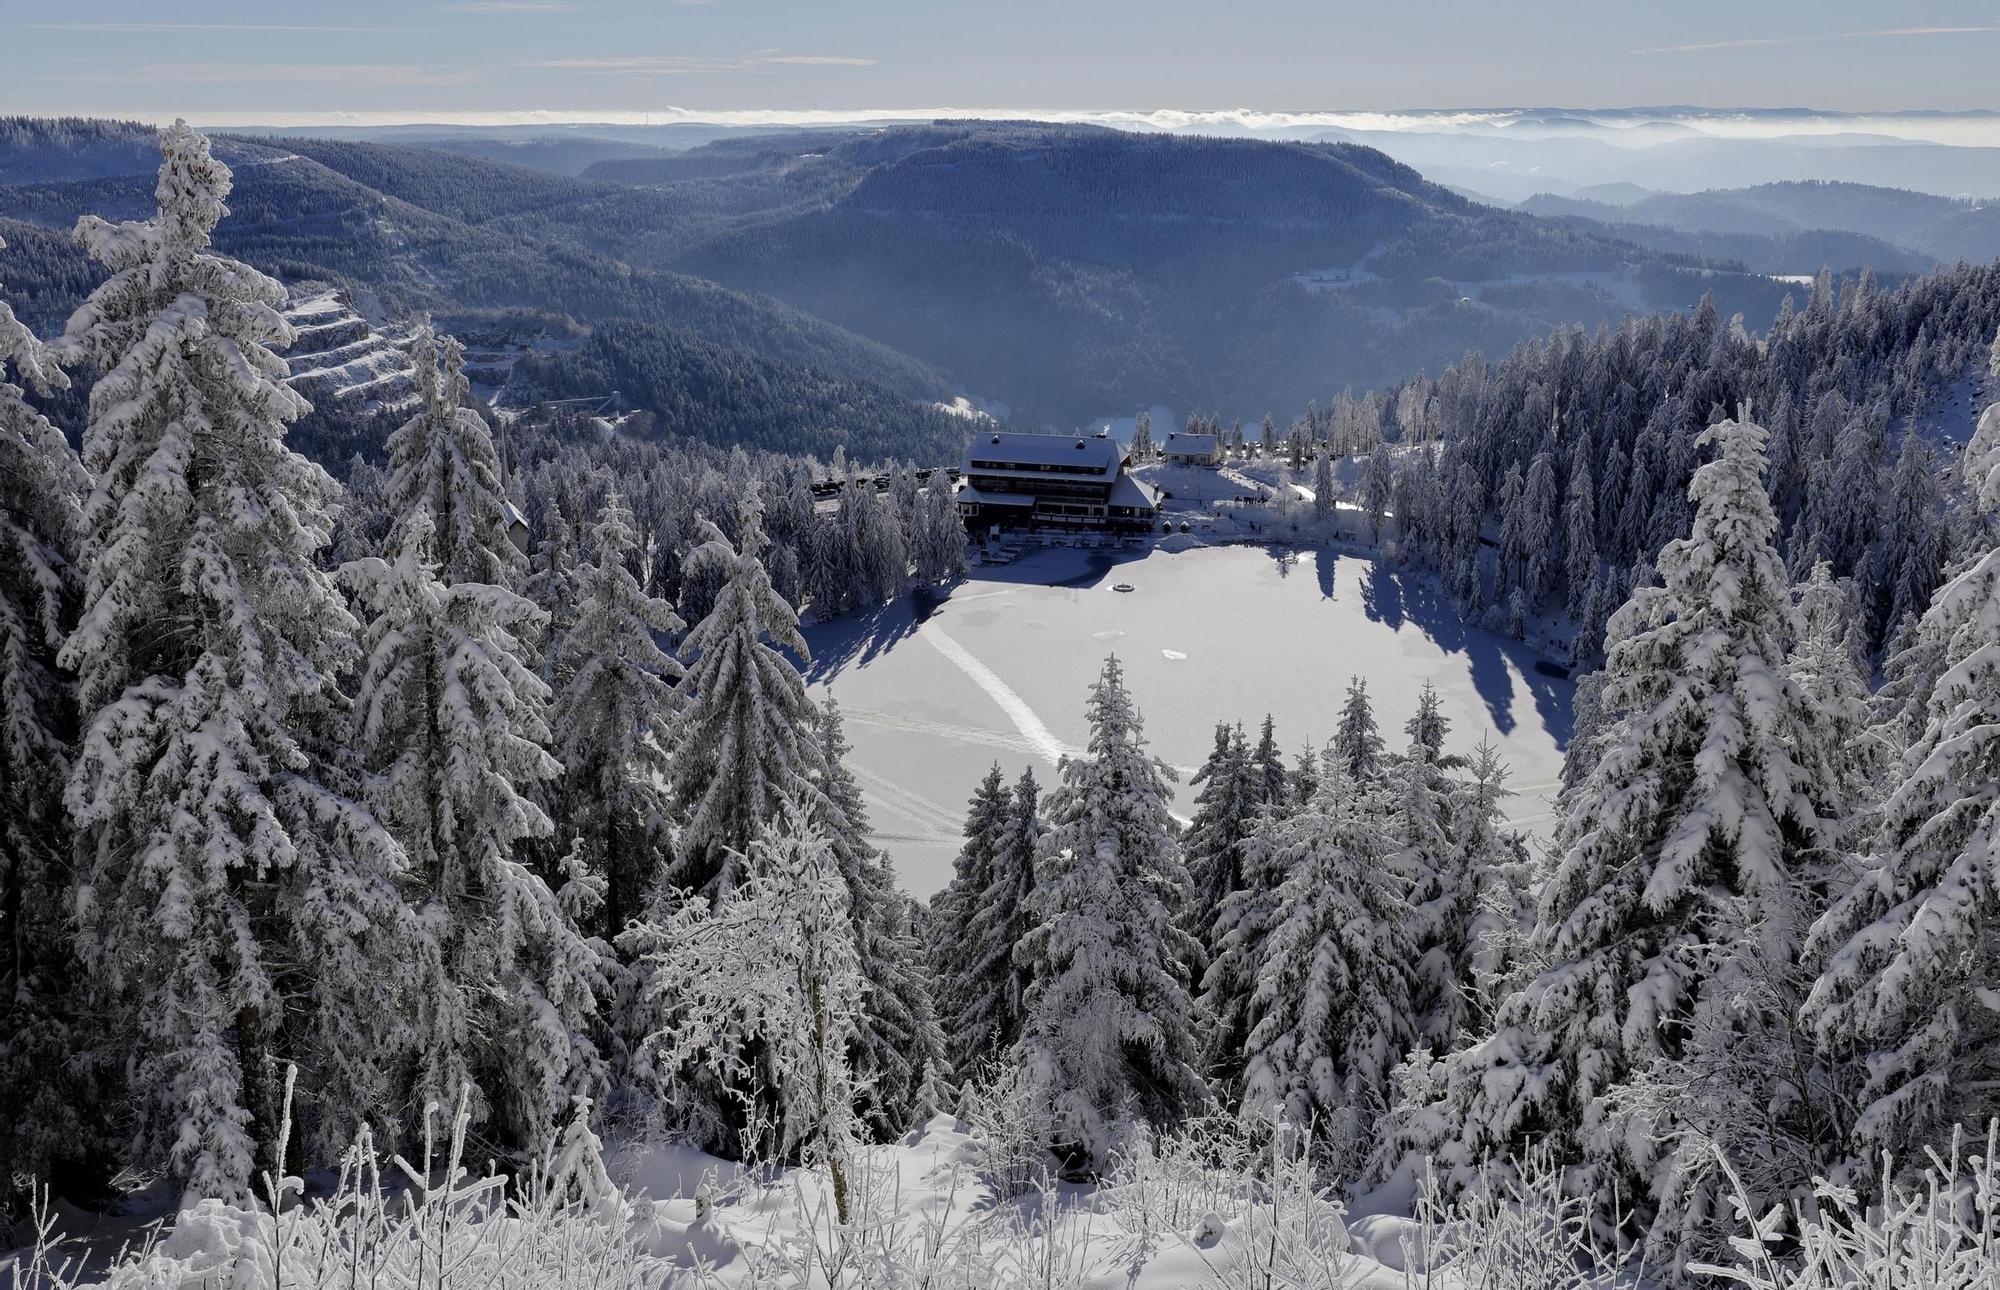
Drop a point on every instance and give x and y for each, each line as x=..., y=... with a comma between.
x=1756, y=241
x=1892, y=227
x=1074, y=270
x=1513, y=165
x=46, y=149
x=306, y=221
x=1068, y=271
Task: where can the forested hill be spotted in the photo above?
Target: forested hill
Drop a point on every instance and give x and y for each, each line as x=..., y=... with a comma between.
x=431, y=237
x=1067, y=271
x=1919, y=227
x=1071, y=270
x=1580, y=450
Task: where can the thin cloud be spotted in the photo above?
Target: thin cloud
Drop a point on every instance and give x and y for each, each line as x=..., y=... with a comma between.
x=1809, y=38
x=383, y=74
x=152, y=28
x=514, y=6
x=686, y=64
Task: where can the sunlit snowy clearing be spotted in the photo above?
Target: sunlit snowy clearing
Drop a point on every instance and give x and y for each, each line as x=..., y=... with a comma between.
x=998, y=670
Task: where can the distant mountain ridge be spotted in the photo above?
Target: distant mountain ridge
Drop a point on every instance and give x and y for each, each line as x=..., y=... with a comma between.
x=305, y=221
x=1924, y=227
x=1066, y=271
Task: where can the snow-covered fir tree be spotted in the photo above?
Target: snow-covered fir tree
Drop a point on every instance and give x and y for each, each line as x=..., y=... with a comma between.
x=961, y=975
x=751, y=733
x=1580, y=536
x=46, y=1115
x=234, y=900
x=443, y=461
x=1685, y=858
x=1823, y=665
x=552, y=584
x=1268, y=776
x=940, y=545
x=1212, y=848
x=615, y=723
x=1357, y=741
x=989, y=1002
x=1109, y=1035
x=1330, y=1014
x=1378, y=488
x=453, y=723
x=896, y=1033
x=1419, y=795
x=1489, y=907
x=1911, y=947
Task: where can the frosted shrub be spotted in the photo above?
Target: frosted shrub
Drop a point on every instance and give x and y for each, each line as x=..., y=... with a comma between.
x=1514, y=1228
x=1013, y=1121
x=1943, y=1234
x=432, y=1225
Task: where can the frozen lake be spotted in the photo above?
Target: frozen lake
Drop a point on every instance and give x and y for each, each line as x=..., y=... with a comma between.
x=937, y=689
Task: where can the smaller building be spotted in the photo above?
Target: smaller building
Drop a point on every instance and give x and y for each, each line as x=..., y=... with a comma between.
x=1184, y=449
x=1043, y=480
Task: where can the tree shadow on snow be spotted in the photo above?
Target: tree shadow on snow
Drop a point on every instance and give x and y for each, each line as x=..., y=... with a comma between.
x=857, y=638
x=1392, y=598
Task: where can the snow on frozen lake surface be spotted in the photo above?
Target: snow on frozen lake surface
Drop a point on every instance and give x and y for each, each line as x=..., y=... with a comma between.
x=935, y=690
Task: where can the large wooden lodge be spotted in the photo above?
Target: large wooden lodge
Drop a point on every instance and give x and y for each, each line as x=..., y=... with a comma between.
x=1016, y=480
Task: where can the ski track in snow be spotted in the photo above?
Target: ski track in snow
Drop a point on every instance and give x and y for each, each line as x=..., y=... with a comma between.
x=936, y=823
x=946, y=730
x=1039, y=736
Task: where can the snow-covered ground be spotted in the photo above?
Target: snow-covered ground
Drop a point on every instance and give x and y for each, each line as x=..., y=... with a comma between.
x=936, y=689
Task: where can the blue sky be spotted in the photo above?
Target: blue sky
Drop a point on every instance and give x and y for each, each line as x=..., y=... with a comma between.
x=281, y=60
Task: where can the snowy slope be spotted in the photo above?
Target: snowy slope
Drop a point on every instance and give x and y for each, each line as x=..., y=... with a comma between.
x=337, y=355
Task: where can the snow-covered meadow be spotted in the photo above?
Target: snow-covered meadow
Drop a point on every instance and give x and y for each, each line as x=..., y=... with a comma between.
x=936, y=690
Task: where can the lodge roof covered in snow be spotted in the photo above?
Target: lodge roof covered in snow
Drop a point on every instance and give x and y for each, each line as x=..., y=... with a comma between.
x=1008, y=452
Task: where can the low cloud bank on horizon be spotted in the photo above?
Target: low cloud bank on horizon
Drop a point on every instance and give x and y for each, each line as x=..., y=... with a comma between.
x=1980, y=128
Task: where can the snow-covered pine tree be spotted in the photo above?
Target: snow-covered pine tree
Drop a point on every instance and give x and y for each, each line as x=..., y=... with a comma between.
x=1225, y=808
x=941, y=542
x=1419, y=829
x=1356, y=740
x=1823, y=665
x=1303, y=778
x=234, y=901
x=896, y=1031
x=1909, y=557
x=442, y=460
x=1269, y=779
x=1489, y=880
x=1330, y=1014
x=1378, y=487
x=1323, y=491
x=552, y=585
x=1683, y=858
x=45, y=1115
x=988, y=1013
x=1580, y=537
x=751, y=731
x=1109, y=1036
x=956, y=957
x=615, y=723
x=453, y=726
x=767, y=983
x=1236, y=953
x=1911, y=948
